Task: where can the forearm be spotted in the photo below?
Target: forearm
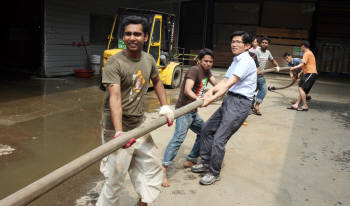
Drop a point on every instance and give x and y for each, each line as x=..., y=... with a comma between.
x=220, y=89
x=275, y=62
x=297, y=66
x=218, y=86
x=212, y=81
x=259, y=71
x=116, y=113
x=190, y=94
x=160, y=92
x=220, y=92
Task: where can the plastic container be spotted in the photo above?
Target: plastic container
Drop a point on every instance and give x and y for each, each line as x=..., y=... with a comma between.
x=95, y=61
x=84, y=73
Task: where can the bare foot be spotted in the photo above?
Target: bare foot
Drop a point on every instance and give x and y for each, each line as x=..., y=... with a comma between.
x=188, y=164
x=165, y=182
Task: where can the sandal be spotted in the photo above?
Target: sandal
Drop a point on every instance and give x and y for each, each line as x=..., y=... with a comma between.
x=302, y=109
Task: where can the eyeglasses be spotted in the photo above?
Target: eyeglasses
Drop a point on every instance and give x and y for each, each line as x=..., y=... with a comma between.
x=236, y=42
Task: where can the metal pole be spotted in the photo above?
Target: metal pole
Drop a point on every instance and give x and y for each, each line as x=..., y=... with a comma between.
x=58, y=176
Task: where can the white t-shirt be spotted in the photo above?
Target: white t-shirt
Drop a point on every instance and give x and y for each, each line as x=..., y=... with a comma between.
x=263, y=57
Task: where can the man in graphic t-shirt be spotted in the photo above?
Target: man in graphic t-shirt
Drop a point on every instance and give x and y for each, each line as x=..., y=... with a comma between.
x=126, y=76
x=193, y=87
x=264, y=56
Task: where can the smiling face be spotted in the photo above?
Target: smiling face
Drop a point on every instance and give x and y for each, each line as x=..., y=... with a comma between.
x=237, y=45
x=134, y=38
x=206, y=62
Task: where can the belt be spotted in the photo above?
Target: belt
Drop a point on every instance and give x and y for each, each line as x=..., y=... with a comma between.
x=237, y=95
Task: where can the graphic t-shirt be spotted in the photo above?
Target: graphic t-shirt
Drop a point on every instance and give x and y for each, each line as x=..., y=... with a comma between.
x=200, y=78
x=263, y=57
x=133, y=76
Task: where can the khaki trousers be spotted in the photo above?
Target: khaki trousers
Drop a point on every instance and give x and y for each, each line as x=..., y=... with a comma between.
x=142, y=164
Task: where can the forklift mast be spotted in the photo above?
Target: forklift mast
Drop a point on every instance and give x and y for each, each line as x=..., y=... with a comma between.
x=162, y=32
x=160, y=44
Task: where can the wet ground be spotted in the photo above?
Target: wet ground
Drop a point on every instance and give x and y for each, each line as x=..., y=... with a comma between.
x=281, y=158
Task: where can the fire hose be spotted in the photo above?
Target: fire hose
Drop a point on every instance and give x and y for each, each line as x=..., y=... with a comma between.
x=33, y=191
x=275, y=69
x=294, y=79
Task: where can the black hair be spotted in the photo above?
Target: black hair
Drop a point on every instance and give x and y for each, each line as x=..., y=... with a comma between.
x=255, y=37
x=204, y=52
x=286, y=54
x=266, y=38
x=245, y=36
x=136, y=20
x=305, y=44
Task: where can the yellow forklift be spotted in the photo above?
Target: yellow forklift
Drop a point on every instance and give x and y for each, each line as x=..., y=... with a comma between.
x=160, y=44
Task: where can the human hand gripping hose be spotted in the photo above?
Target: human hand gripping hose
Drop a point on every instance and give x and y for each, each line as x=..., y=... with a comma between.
x=127, y=145
x=168, y=113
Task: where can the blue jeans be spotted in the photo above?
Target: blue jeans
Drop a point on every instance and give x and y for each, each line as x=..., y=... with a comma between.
x=261, y=86
x=187, y=121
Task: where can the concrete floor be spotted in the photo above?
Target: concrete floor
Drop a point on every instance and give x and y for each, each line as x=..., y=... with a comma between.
x=282, y=158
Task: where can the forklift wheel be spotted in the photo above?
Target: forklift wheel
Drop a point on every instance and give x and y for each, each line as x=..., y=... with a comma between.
x=177, y=76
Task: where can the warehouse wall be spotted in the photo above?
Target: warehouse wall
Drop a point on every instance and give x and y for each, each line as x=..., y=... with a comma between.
x=66, y=21
x=332, y=36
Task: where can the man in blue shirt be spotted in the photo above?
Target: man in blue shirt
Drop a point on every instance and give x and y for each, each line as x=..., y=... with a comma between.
x=291, y=63
x=240, y=82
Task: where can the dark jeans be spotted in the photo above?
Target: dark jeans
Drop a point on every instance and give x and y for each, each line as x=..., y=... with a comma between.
x=220, y=127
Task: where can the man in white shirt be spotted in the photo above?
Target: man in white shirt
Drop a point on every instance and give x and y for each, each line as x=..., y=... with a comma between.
x=240, y=82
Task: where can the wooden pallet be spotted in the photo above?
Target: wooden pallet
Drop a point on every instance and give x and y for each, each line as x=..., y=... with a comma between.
x=290, y=37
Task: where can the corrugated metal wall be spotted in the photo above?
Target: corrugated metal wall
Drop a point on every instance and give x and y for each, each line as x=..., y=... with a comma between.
x=65, y=23
x=333, y=57
x=333, y=36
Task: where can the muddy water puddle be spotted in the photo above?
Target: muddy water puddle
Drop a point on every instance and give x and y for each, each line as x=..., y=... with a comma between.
x=37, y=147
x=44, y=144
x=151, y=102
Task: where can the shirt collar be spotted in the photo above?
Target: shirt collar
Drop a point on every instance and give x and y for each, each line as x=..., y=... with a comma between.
x=240, y=56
